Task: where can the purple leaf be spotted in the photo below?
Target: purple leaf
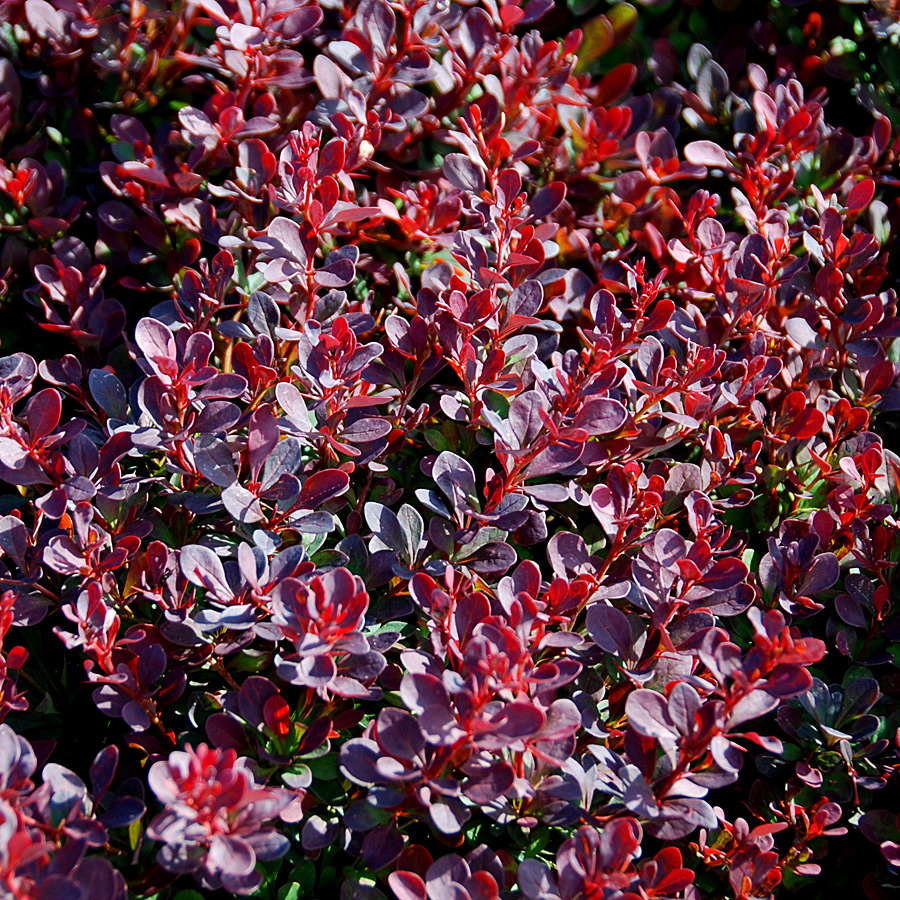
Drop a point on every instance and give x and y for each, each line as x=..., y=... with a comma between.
x=535, y=880
x=640, y=799
x=382, y=846
x=725, y=575
x=109, y=393
x=456, y=478
x=242, y=505
x=520, y=719
x=567, y=552
x=155, y=341
x=215, y=460
x=316, y=671
x=223, y=385
x=291, y=401
x=63, y=556
x=449, y=817
x=262, y=436
x=12, y=453
x=602, y=416
x=218, y=416
x=376, y=21
x=526, y=299
x=788, y=681
x=336, y=275
x=364, y=431
x=147, y=174
x=821, y=575
x=151, y=664
x=683, y=705
x=135, y=716
x=43, y=413
x=424, y=693
x=358, y=758
x=361, y=815
x=231, y=855
x=732, y=602
x=648, y=715
x=314, y=522
x=300, y=22
x=203, y=568
x=680, y=816
x=562, y=720
x=122, y=812
x=554, y=458
x=103, y=769
x=398, y=734
x=609, y=629
x=46, y=21
x=197, y=123
x=462, y=173
x=525, y=416
x=318, y=834
x=491, y=560
x=226, y=732
x=547, y=199
x=879, y=825
x=484, y=787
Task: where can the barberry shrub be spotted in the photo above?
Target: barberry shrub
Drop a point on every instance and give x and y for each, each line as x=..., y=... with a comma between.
x=446, y=450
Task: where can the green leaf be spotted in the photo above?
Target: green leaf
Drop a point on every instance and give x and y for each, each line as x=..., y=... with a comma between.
x=250, y=661
x=304, y=876
x=312, y=542
x=325, y=768
x=330, y=792
x=436, y=440
x=134, y=834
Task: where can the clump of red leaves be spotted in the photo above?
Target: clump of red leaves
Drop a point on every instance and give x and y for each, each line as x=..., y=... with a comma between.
x=478, y=452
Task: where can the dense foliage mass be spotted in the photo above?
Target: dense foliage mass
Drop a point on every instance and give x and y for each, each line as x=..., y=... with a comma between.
x=445, y=449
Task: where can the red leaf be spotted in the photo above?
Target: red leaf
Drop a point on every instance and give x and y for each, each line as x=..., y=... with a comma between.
x=614, y=84
x=861, y=195
x=659, y=317
x=829, y=282
x=16, y=658
x=323, y=486
x=795, y=126
x=807, y=424
x=277, y=715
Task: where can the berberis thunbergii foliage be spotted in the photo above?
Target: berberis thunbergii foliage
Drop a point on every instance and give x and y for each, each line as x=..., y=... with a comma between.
x=446, y=449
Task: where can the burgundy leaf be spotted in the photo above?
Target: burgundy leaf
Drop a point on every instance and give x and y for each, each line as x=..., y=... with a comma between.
x=323, y=486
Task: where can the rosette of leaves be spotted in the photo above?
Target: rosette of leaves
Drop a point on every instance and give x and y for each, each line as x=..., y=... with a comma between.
x=835, y=745
x=323, y=618
x=596, y=863
x=477, y=876
x=216, y=821
x=52, y=835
